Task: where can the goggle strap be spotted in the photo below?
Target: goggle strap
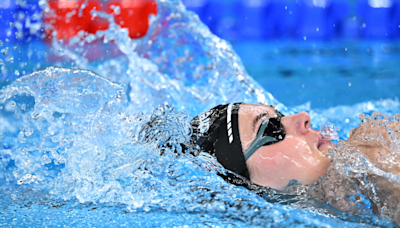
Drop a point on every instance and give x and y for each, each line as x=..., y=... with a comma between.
x=259, y=141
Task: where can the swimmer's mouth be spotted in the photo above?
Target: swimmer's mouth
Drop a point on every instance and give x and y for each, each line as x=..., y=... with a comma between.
x=322, y=141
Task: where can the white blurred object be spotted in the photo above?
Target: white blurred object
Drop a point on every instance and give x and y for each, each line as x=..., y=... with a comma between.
x=5, y=4
x=380, y=3
x=318, y=3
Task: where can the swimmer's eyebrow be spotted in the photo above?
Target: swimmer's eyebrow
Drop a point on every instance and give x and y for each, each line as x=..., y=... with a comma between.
x=258, y=117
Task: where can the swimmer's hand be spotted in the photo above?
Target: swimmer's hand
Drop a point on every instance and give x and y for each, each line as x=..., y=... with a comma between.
x=373, y=140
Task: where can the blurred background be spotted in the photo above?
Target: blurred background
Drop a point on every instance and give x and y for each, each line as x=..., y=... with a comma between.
x=322, y=53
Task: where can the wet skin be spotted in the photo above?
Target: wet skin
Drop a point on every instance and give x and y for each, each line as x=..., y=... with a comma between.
x=300, y=156
x=373, y=142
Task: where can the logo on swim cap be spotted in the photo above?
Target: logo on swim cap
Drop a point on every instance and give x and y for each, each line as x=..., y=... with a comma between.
x=229, y=123
x=204, y=121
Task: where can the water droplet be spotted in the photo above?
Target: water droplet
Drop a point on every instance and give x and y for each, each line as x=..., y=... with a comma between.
x=317, y=29
x=11, y=24
x=304, y=38
x=329, y=131
x=36, y=116
x=15, y=47
x=349, y=84
x=29, y=132
x=45, y=160
x=16, y=72
x=10, y=59
x=4, y=51
x=116, y=9
x=13, y=103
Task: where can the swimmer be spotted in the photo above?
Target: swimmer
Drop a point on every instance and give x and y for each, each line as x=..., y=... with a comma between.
x=260, y=144
x=269, y=149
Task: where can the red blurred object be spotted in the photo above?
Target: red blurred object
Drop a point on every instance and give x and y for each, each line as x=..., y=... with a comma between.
x=134, y=15
x=68, y=18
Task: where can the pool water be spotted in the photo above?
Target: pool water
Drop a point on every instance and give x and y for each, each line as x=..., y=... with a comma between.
x=326, y=74
x=74, y=152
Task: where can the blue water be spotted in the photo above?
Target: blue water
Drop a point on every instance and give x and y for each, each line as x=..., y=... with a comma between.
x=74, y=151
x=326, y=74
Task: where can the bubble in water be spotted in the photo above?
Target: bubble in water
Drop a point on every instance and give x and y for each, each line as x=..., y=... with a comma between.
x=11, y=24
x=13, y=103
x=16, y=72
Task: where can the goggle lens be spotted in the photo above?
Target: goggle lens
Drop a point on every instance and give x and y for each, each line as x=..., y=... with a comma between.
x=271, y=131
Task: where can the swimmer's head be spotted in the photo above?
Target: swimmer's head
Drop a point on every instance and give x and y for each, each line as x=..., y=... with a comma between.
x=216, y=131
x=299, y=151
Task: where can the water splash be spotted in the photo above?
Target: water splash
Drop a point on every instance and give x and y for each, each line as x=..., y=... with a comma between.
x=329, y=131
x=98, y=152
x=180, y=57
x=363, y=177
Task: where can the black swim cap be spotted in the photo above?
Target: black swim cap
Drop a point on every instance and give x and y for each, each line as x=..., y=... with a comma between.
x=216, y=131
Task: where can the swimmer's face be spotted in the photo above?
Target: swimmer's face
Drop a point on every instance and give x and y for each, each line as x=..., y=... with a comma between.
x=300, y=156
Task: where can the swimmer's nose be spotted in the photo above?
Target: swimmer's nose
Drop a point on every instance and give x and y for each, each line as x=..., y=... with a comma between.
x=300, y=122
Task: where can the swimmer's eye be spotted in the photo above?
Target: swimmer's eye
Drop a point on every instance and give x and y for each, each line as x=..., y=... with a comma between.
x=274, y=128
x=262, y=116
x=271, y=131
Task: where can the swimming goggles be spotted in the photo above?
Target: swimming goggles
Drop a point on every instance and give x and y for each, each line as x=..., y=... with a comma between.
x=271, y=131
